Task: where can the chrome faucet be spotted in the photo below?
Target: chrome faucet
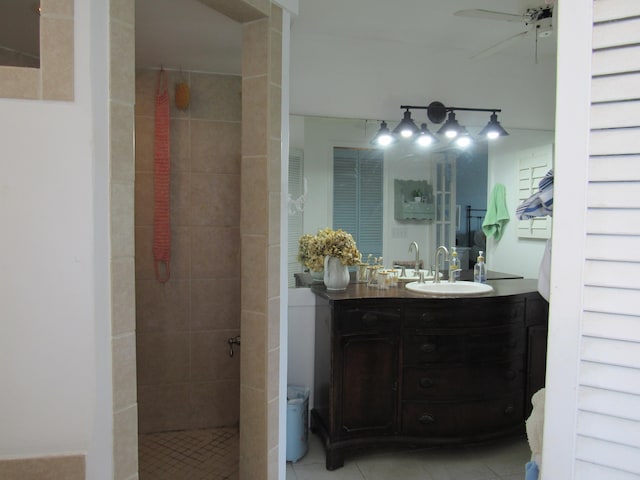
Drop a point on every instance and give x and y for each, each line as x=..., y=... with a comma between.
x=412, y=246
x=441, y=249
x=452, y=274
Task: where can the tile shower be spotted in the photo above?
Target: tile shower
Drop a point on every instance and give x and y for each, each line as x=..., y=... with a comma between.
x=186, y=378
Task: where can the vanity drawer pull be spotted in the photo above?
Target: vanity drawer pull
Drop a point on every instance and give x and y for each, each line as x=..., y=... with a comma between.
x=369, y=319
x=425, y=317
x=427, y=348
x=426, y=382
x=509, y=410
x=426, y=419
x=510, y=374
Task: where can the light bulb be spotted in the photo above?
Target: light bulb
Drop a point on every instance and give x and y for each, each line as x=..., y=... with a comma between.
x=492, y=135
x=406, y=133
x=463, y=141
x=384, y=140
x=451, y=134
x=424, y=140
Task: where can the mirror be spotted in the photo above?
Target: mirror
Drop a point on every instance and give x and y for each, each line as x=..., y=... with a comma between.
x=443, y=216
x=20, y=33
x=52, y=78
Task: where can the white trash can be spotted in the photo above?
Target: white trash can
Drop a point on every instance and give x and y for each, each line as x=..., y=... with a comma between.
x=297, y=422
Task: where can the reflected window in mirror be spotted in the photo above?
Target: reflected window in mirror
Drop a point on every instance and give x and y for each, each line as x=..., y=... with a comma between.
x=20, y=33
x=358, y=196
x=445, y=197
x=471, y=195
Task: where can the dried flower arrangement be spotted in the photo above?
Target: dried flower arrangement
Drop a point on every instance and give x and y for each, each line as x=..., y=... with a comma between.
x=336, y=243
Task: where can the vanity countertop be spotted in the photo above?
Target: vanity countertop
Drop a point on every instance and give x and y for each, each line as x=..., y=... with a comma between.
x=503, y=285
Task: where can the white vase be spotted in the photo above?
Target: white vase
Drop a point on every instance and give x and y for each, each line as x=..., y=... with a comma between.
x=336, y=275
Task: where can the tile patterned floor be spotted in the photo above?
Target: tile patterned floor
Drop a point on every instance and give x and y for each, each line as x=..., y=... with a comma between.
x=503, y=460
x=213, y=455
x=189, y=455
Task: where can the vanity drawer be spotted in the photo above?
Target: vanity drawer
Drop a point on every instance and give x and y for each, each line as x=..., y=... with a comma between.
x=463, y=419
x=372, y=320
x=422, y=346
x=459, y=382
x=478, y=312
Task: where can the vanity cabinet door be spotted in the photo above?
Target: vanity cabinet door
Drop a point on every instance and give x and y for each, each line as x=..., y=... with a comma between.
x=374, y=319
x=463, y=345
x=464, y=312
x=366, y=385
x=454, y=382
x=462, y=421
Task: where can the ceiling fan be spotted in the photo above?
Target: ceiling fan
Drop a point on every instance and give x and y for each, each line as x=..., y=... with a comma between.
x=538, y=22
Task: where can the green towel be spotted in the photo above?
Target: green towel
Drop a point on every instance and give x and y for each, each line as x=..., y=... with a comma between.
x=497, y=213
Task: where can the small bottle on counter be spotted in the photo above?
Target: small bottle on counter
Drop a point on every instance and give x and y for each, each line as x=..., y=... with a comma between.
x=454, y=265
x=480, y=270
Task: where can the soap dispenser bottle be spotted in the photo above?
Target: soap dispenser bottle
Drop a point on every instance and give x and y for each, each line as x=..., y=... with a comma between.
x=454, y=265
x=480, y=270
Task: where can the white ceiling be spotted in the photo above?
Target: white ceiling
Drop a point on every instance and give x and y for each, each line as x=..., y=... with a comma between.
x=364, y=58
x=428, y=23
x=187, y=34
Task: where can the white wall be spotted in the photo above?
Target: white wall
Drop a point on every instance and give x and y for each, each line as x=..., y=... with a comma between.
x=51, y=345
x=520, y=256
x=301, y=314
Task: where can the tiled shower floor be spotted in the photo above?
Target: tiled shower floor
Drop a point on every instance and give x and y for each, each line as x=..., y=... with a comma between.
x=189, y=455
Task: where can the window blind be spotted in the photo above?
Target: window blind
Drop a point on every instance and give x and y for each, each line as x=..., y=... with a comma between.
x=357, y=196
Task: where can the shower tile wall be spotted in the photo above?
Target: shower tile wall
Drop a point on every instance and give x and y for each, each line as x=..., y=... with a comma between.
x=186, y=379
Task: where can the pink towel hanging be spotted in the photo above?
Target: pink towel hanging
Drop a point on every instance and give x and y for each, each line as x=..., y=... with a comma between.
x=161, y=179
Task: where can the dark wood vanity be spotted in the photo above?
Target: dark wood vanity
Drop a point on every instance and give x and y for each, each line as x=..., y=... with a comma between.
x=395, y=367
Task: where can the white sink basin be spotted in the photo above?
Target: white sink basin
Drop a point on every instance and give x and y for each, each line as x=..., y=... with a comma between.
x=457, y=289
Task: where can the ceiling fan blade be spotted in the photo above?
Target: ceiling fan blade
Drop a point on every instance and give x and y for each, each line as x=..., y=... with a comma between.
x=500, y=45
x=489, y=15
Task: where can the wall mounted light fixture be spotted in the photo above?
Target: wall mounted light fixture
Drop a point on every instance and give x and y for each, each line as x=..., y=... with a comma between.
x=436, y=113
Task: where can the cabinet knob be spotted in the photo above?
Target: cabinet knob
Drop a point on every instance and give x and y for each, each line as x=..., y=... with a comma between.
x=509, y=410
x=426, y=382
x=426, y=419
x=369, y=319
x=510, y=374
x=425, y=317
x=427, y=347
